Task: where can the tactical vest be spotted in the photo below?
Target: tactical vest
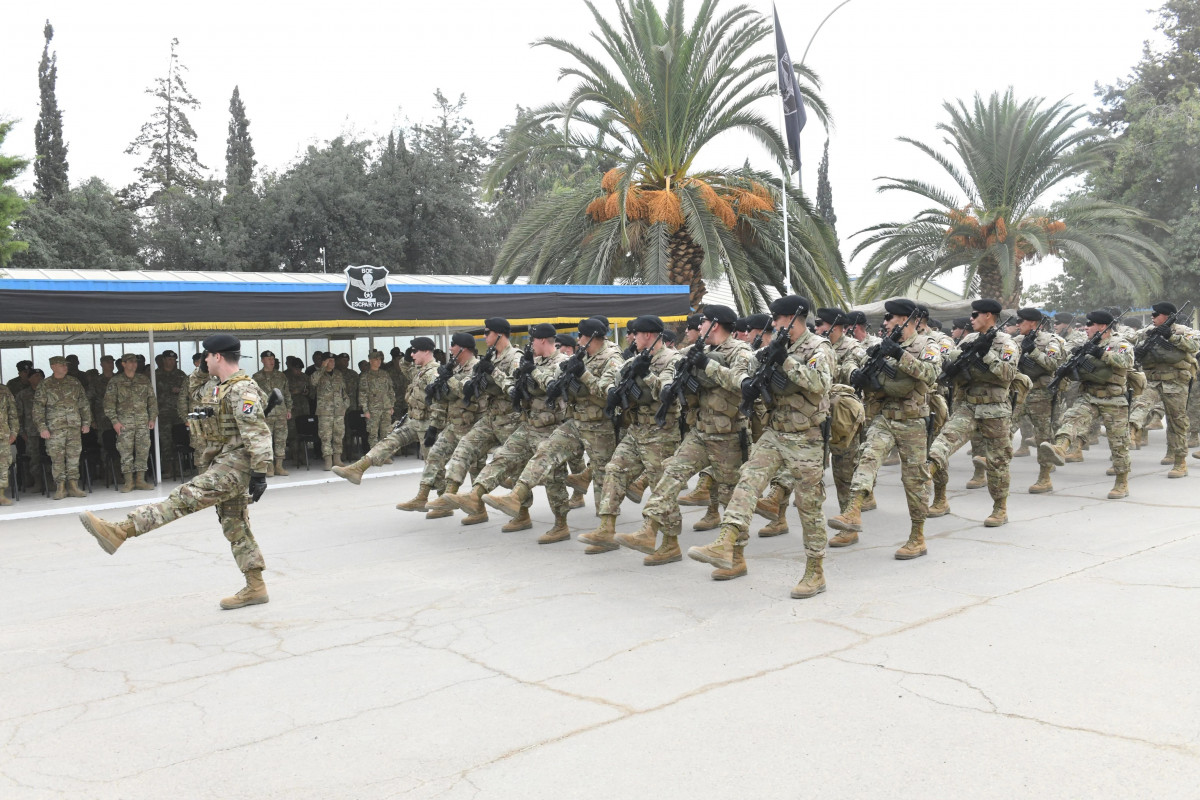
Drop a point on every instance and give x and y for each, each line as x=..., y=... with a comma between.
x=913, y=403
x=539, y=413
x=662, y=365
x=797, y=409
x=1166, y=362
x=586, y=406
x=1103, y=379
x=491, y=400
x=718, y=407
x=418, y=407
x=221, y=426
x=982, y=386
x=460, y=415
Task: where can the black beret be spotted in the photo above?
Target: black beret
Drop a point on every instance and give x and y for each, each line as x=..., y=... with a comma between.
x=344, y=355
x=922, y=311
x=169, y=354
x=28, y=364
x=856, y=318
x=222, y=343
x=37, y=372
x=669, y=337
x=1063, y=318
x=742, y=325
x=103, y=358
x=986, y=305
x=1164, y=308
x=792, y=304
x=463, y=340
x=758, y=322
x=498, y=325
x=195, y=358
x=900, y=307
x=1030, y=314
x=542, y=330
x=604, y=321
x=722, y=314
x=936, y=324
x=592, y=327
x=425, y=343
x=395, y=351
x=263, y=354
x=834, y=316
x=648, y=324
x=564, y=340
x=693, y=321
x=1100, y=317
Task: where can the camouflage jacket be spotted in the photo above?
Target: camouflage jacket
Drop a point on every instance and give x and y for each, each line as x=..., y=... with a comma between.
x=10, y=418
x=377, y=394
x=461, y=415
x=329, y=389
x=130, y=401
x=351, y=379
x=433, y=414
x=729, y=363
x=850, y=355
x=236, y=436
x=275, y=380
x=170, y=385
x=299, y=392
x=60, y=403
x=600, y=373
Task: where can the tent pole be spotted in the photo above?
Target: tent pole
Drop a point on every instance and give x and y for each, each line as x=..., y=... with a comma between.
x=154, y=388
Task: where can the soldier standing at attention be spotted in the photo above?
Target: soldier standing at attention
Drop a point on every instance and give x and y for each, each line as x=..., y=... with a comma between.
x=129, y=402
x=15, y=385
x=981, y=404
x=298, y=390
x=376, y=398
x=233, y=447
x=1167, y=355
x=1041, y=353
x=269, y=378
x=10, y=426
x=62, y=414
x=170, y=382
x=99, y=386
x=331, y=403
x=29, y=431
x=897, y=411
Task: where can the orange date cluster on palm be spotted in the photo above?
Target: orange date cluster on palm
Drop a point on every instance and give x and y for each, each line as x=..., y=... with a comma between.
x=968, y=233
x=662, y=204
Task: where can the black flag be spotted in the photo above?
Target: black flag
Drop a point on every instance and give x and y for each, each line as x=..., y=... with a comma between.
x=794, y=116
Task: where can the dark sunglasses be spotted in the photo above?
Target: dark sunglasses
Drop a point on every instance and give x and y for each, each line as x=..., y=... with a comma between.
x=975, y=314
x=887, y=317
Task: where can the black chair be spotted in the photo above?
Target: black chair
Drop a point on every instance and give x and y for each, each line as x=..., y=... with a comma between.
x=356, y=433
x=91, y=459
x=13, y=482
x=185, y=456
x=306, y=435
x=48, y=485
x=112, y=459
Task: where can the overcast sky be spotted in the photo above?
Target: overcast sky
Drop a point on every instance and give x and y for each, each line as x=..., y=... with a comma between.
x=311, y=71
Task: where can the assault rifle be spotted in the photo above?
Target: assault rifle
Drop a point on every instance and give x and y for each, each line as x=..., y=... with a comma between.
x=866, y=377
x=685, y=381
x=567, y=381
x=480, y=375
x=972, y=354
x=1071, y=367
x=627, y=392
x=757, y=343
x=1160, y=336
x=768, y=376
x=519, y=392
x=439, y=388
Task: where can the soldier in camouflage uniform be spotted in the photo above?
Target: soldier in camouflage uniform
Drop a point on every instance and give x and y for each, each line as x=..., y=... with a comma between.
x=268, y=379
x=169, y=382
x=15, y=385
x=645, y=445
x=10, y=426
x=377, y=399
x=981, y=404
x=298, y=390
x=234, y=450
x=897, y=409
x=350, y=378
x=1167, y=355
x=1040, y=354
x=849, y=355
x=401, y=370
x=329, y=389
x=130, y=403
x=62, y=413
x=718, y=439
x=102, y=423
x=29, y=431
x=423, y=413
x=497, y=419
x=1102, y=377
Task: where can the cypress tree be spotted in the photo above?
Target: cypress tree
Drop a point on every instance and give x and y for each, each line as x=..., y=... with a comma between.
x=825, y=192
x=239, y=151
x=50, y=168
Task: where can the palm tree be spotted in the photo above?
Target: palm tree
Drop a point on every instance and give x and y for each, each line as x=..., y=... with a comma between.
x=666, y=90
x=1012, y=156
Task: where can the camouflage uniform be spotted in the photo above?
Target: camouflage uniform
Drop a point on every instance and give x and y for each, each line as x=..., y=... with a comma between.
x=793, y=442
x=422, y=415
x=299, y=391
x=1169, y=371
x=401, y=373
x=1102, y=397
x=497, y=420
x=460, y=420
x=715, y=440
x=231, y=444
x=849, y=355
x=99, y=386
x=351, y=379
x=278, y=419
x=170, y=386
x=329, y=389
x=60, y=406
x=376, y=396
x=644, y=445
x=131, y=402
x=24, y=401
x=10, y=426
x=1068, y=390
x=1039, y=365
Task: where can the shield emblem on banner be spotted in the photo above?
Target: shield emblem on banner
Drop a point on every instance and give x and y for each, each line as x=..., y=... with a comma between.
x=366, y=289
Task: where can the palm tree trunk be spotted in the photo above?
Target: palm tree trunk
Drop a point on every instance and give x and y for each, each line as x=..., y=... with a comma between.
x=991, y=285
x=685, y=258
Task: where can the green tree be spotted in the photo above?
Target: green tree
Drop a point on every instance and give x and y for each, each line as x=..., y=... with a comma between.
x=239, y=150
x=825, y=191
x=1010, y=157
x=11, y=204
x=50, y=168
x=87, y=227
x=167, y=139
x=646, y=110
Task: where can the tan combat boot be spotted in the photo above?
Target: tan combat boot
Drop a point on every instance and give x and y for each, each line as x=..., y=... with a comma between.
x=521, y=522
x=719, y=552
x=559, y=533
x=915, y=546
x=580, y=481
x=869, y=503
x=1111, y=471
x=737, y=570
x=418, y=502
x=110, y=535
x=279, y=470
x=61, y=493
x=636, y=490
x=438, y=513
x=1179, y=470
x=999, y=515
x=1043, y=483
x=1022, y=451
x=253, y=593
x=667, y=553
x=328, y=463
x=813, y=582
x=777, y=528
x=1074, y=455
x=576, y=500
x=127, y=486
x=1167, y=459
x=699, y=496
x=1120, y=487
x=711, y=518
x=644, y=539
x=270, y=470
x=850, y=519
x=353, y=472
x=1056, y=452
x=979, y=479
x=473, y=519
x=769, y=506
x=601, y=540
x=470, y=501
x=74, y=490
x=940, y=506
x=337, y=460
x=140, y=482
x=443, y=502
x=4, y=501
x=511, y=503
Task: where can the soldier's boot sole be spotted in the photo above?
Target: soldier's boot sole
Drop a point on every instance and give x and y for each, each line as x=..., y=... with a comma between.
x=349, y=473
x=559, y=533
x=667, y=553
x=719, y=557
x=108, y=535
x=1041, y=488
x=907, y=553
x=843, y=539
x=736, y=571
x=508, y=504
x=995, y=521
x=1178, y=472
x=1052, y=454
x=710, y=521
x=412, y=505
x=475, y=519
x=518, y=523
x=641, y=541
x=438, y=513
x=777, y=528
x=843, y=522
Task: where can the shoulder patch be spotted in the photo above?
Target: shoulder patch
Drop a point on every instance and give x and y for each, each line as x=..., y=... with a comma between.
x=932, y=351
x=814, y=360
x=248, y=405
x=1052, y=349
x=1007, y=353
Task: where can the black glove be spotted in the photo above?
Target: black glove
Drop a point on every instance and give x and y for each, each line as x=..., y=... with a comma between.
x=641, y=367
x=698, y=358
x=486, y=367
x=1093, y=349
x=573, y=367
x=1028, y=343
x=431, y=434
x=749, y=392
x=445, y=371
x=889, y=348
x=258, y=485
x=1164, y=330
x=872, y=351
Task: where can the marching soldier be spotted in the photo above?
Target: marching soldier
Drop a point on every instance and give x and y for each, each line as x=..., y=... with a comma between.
x=130, y=403
x=329, y=389
x=1040, y=355
x=62, y=414
x=269, y=378
x=849, y=355
x=1166, y=352
x=377, y=399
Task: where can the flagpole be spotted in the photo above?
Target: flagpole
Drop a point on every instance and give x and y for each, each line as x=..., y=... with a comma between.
x=787, y=255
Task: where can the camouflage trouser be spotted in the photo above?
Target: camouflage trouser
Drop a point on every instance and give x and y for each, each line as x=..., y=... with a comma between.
x=514, y=454
x=489, y=431
x=434, y=474
x=568, y=443
x=1193, y=409
x=720, y=451
x=576, y=463
x=277, y=421
x=910, y=439
x=1174, y=399
x=331, y=430
x=400, y=436
x=842, y=461
x=1088, y=411
x=1034, y=421
x=64, y=448
x=133, y=445
x=1068, y=393
x=642, y=451
x=378, y=427
x=991, y=435
x=802, y=457
x=218, y=486
x=166, y=438
x=6, y=460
